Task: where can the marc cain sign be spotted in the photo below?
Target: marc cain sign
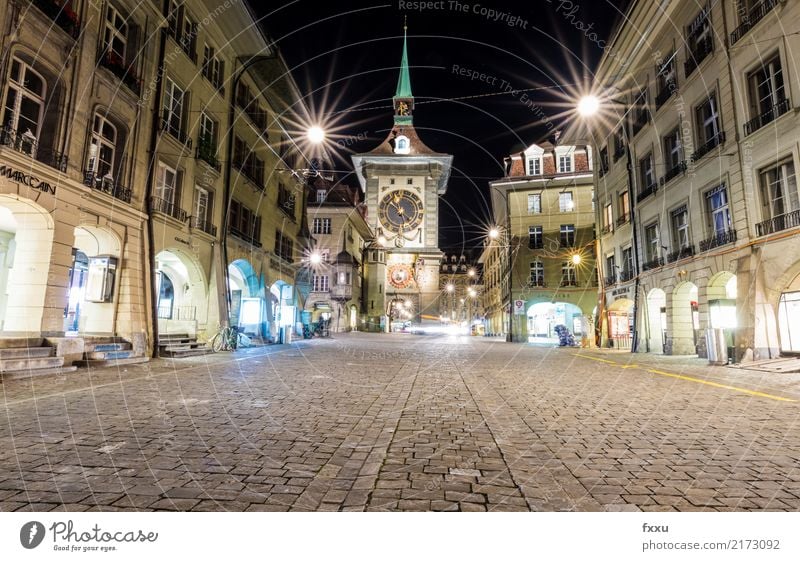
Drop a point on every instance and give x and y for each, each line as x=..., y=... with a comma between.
x=26, y=179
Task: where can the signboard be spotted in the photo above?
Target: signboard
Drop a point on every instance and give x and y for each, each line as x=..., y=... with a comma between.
x=519, y=307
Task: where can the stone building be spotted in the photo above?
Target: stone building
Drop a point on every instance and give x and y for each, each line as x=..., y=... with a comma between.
x=703, y=231
x=461, y=289
x=544, y=212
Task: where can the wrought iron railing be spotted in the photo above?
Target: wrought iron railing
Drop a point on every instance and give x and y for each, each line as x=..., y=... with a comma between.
x=207, y=152
x=125, y=72
x=623, y=219
x=174, y=130
x=767, y=116
x=665, y=93
x=779, y=223
x=709, y=145
x=163, y=206
x=721, y=238
x=204, y=225
x=107, y=185
x=569, y=282
x=674, y=172
x=681, y=253
x=610, y=281
x=646, y=192
x=755, y=15
x=626, y=275
x=698, y=55
x=28, y=144
x=536, y=282
x=606, y=229
x=247, y=169
x=652, y=264
x=249, y=238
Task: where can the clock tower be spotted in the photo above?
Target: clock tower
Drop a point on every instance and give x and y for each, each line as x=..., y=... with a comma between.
x=402, y=180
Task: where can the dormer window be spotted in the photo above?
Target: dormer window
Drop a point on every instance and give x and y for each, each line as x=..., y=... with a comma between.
x=320, y=195
x=402, y=145
x=534, y=166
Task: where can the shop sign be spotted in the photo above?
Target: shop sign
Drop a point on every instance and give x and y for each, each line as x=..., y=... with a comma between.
x=519, y=307
x=621, y=292
x=27, y=179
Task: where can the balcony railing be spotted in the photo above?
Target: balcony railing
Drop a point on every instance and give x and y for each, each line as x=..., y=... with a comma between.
x=569, y=282
x=251, y=239
x=767, y=116
x=342, y=292
x=175, y=130
x=646, y=192
x=681, y=253
x=755, y=15
x=718, y=239
x=204, y=225
x=28, y=144
x=624, y=219
x=606, y=229
x=665, y=93
x=125, y=72
x=652, y=264
x=698, y=55
x=640, y=121
x=536, y=282
x=709, y=145
x=626, y=275
x=207, y=152
x=619, y=152
x=107, y=185
x=674, y=172
x=610, y=281
x=157, y=204
x=62, y=15
x=781, y=222
x=247, y=170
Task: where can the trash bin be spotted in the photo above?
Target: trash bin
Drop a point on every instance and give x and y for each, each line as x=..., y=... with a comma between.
x=716, y=346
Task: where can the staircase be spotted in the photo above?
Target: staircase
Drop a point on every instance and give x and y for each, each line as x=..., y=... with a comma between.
x=172, y=345
x=25, y=357
x=102, y=352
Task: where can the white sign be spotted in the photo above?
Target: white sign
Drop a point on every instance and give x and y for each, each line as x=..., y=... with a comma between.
x=519, y=307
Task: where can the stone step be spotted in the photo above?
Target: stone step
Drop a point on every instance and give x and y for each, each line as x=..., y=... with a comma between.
x=99, y=363
x=20, y=342
x=107, y=347
x=20, y=374
x=183, y=353
x=181, y=347
x=108, y=355
x=23, y=352
x=23, y=364
x=175, y=336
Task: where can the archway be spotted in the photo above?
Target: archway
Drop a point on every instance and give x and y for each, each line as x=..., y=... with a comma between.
x=657, y=320
x=685, y=320
x=543, y=318
x=26, y=246
x=620, y=323
x=92, y=281
x=248, y=309
x=283, y=309
x=789, y=317
x=182, y=293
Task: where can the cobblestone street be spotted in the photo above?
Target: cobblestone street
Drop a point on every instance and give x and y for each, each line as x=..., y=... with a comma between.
x=403, y=422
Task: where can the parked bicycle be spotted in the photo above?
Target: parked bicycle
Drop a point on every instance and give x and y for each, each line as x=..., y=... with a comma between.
x=317, y=329
x=228, y=339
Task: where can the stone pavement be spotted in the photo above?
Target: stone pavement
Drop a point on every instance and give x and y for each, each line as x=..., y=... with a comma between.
x=403, y=422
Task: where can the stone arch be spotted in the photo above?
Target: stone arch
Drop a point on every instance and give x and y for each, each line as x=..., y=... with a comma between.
x=620, y=319
x=684, y=316
x=656, y=320
x=26, y=247
x=190, y=305
x=544, y=315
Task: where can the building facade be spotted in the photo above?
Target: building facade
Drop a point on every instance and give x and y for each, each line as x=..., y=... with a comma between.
x=702, y=232
x=544, y=209
x=461, y=287
x=341, y=233
x=402, y=180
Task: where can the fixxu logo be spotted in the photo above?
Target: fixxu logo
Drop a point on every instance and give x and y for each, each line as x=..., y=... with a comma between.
x=31, y=534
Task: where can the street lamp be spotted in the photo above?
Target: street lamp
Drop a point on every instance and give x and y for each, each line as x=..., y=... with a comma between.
x=315, y=135
x=588, y=106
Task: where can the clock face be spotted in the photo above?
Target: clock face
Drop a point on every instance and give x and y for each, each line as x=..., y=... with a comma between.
x=400, y=211
x=401, y=276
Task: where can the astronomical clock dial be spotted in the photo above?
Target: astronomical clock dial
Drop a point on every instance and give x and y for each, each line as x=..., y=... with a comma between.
x=400, y=211
x=401, y=275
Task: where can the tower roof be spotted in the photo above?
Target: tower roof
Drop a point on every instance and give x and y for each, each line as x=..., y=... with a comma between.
x=404, y=80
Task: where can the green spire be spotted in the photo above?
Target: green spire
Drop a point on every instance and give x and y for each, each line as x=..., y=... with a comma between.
x=404, y=81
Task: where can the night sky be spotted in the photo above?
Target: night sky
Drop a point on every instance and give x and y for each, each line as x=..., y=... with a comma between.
x=345, y=56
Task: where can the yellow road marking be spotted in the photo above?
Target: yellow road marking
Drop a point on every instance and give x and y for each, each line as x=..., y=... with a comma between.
x=692, y=379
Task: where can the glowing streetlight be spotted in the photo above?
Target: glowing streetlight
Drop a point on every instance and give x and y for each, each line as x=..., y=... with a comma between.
x=316, y=135
x=494, y=233
x=450, y=288
x=471, y=272
x=576, y=259
x=588, y=106
x=315, y=258
x=382, y=240
x=472, y=292
x=407, y=303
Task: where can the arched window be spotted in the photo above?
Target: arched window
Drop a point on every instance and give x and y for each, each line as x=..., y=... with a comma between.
x=102, y=147
x=24, y=106
x=166, y=296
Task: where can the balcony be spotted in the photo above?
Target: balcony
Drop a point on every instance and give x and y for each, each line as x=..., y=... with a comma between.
x=666, y=92
x=626, y=275
x=709, y=145
x=674, y=172
x=204, y=225
x=610, y=281
x=640, y=121
x=779, y=223
x=125, y=72
x=28, y=144
x=755, y=15
x=175, y=130
x=342, y=292
x=767, y=116
x=681, y=253
x=606, y=229
x=698, y=55
x=624, y=219
x=652, y=264
x=107, y=185
x=646, y=192
x=536, y=282
x=62, y=15
x=718, y=239
x=250, y=172
x=251, y=239
x=163, y=206
x=569, y=282
x=619, y=151
x=207, y=152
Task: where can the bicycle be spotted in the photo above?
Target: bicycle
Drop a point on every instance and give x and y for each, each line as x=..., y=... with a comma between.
x=227, y=339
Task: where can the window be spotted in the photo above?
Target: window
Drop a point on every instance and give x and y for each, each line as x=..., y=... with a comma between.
x=708, y=125
x=284, y=246
x=619, y=144
x=646, y=173
x=718, y=211
x=535, y=204
x=321, y=195
x=652, y=242
x=286, y=200
x=207, y=139
x=409, y=181
x=608, y=218
x=666, y=79
x=627, y=262
x=565, y=202
x=699, y=40
x=167, y=183
x=322, y=225
x=202, y=206
x=115, y=34
x=641, y=111
x=611, y=267
x=102, y=148
x=537, y=273
x=212, y=66
x=603, y=160
x=779, y=190
x=245, y=223
x=535, y=240
x=23, y=112
x=673, y=152
x=565, y=163
x=767, y=93
x=569, y=276
x=321, y=283
x=174, y=106
x=680, y=228
x=325, y=255
x=534, y=166
x=391, y=181
x=567, y=234
x=344, y=278
x=182, y=28
x=624, y=206
x=243, y=95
